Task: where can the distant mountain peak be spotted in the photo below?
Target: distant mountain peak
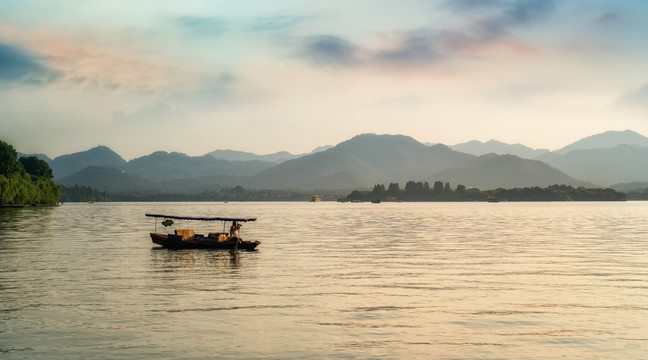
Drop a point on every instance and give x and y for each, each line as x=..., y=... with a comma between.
x=478, y=148
x=65, y=165
x=369, y=139
x=608, y=139
x=234, y=155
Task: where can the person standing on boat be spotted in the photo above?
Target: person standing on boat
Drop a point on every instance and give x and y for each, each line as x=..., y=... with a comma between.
x=234, y=229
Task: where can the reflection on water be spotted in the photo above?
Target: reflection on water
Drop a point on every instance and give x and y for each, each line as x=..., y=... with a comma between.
x=194, y=259
x=330, y=280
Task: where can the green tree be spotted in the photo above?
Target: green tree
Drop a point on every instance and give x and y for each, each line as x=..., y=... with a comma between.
x=447, y=189
x=393, y=188
x=37, y=167
x=411, y=186
x=8, y=159
x=18, y=187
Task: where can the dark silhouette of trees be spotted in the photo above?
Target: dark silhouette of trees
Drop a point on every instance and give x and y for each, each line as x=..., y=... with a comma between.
x=438, y=187
x=78, y=193
x=36, y=167
x=23, y=186
x=8, y=159
x=417, y=191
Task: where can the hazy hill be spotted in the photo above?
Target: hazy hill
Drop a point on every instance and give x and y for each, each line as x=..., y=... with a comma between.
x=361, y=162
x=399, y=157
x=607, y=139
x=322, y=170
x=159, y=171
x=277, y=157
x=39, y=156
x=631, y=186
x=115, y=180
x=108, y=179
x=321, y=148
x=492, y=171
x=233, y=155
x=369, y=159
x=162, y=166
x=603, y=166
x=66, y=165
x=497, y=147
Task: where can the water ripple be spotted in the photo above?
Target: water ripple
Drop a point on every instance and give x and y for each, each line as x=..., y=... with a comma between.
x=330, y=280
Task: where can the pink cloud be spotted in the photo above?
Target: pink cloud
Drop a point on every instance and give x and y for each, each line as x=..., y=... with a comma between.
x=82, y=62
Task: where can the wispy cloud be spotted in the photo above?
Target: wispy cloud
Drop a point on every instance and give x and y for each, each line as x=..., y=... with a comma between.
x=523, y=12
x=417, y=47
x=203, y=26
x=104, y=66
x=610, y=17
x=634, y=100
x=329, y=50
x=18, y=66
x=493, y=20
x=216, y=26
x=484, y=25
x=275, y=23
x=471, y=6
x=158, y=113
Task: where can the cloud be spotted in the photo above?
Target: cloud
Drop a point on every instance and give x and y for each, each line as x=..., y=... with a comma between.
x=158, y=113
x=634, y=100
x=215, y=26
x=329, y=50
x=212, y=90
x=507, y=12
x=19, y=66
x=609, y=18
x=501, y=16
x=416, y=47
x=205, y=26
x=470, y=6
x=104, y=66
x=485, y=25
x=522, y=12
x=275, y=23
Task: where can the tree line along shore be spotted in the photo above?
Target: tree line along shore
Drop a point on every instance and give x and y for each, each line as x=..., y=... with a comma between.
x=422, y=191
x=413, y=191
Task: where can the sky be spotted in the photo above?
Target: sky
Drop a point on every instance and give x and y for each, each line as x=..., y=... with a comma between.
x=265, y=76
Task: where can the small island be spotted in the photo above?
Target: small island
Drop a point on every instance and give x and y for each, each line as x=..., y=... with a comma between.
x=422, y=191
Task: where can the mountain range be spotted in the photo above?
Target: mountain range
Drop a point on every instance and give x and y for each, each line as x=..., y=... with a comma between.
x=497, y=147
x=363, y=161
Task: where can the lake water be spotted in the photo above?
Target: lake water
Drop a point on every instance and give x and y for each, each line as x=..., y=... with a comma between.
x=330, y=280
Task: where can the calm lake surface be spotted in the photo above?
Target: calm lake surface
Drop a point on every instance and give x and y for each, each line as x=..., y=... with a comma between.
x=330, y=280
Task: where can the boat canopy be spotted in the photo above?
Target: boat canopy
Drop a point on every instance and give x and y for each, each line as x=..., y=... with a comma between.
x=201, y=218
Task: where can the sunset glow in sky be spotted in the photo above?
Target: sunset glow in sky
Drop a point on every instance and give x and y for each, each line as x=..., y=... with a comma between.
x=264, y=76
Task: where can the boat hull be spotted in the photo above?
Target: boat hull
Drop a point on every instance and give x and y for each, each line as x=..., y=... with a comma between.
x=176, y=242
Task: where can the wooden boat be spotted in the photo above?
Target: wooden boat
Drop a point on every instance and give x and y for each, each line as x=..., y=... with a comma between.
x=188, y=239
